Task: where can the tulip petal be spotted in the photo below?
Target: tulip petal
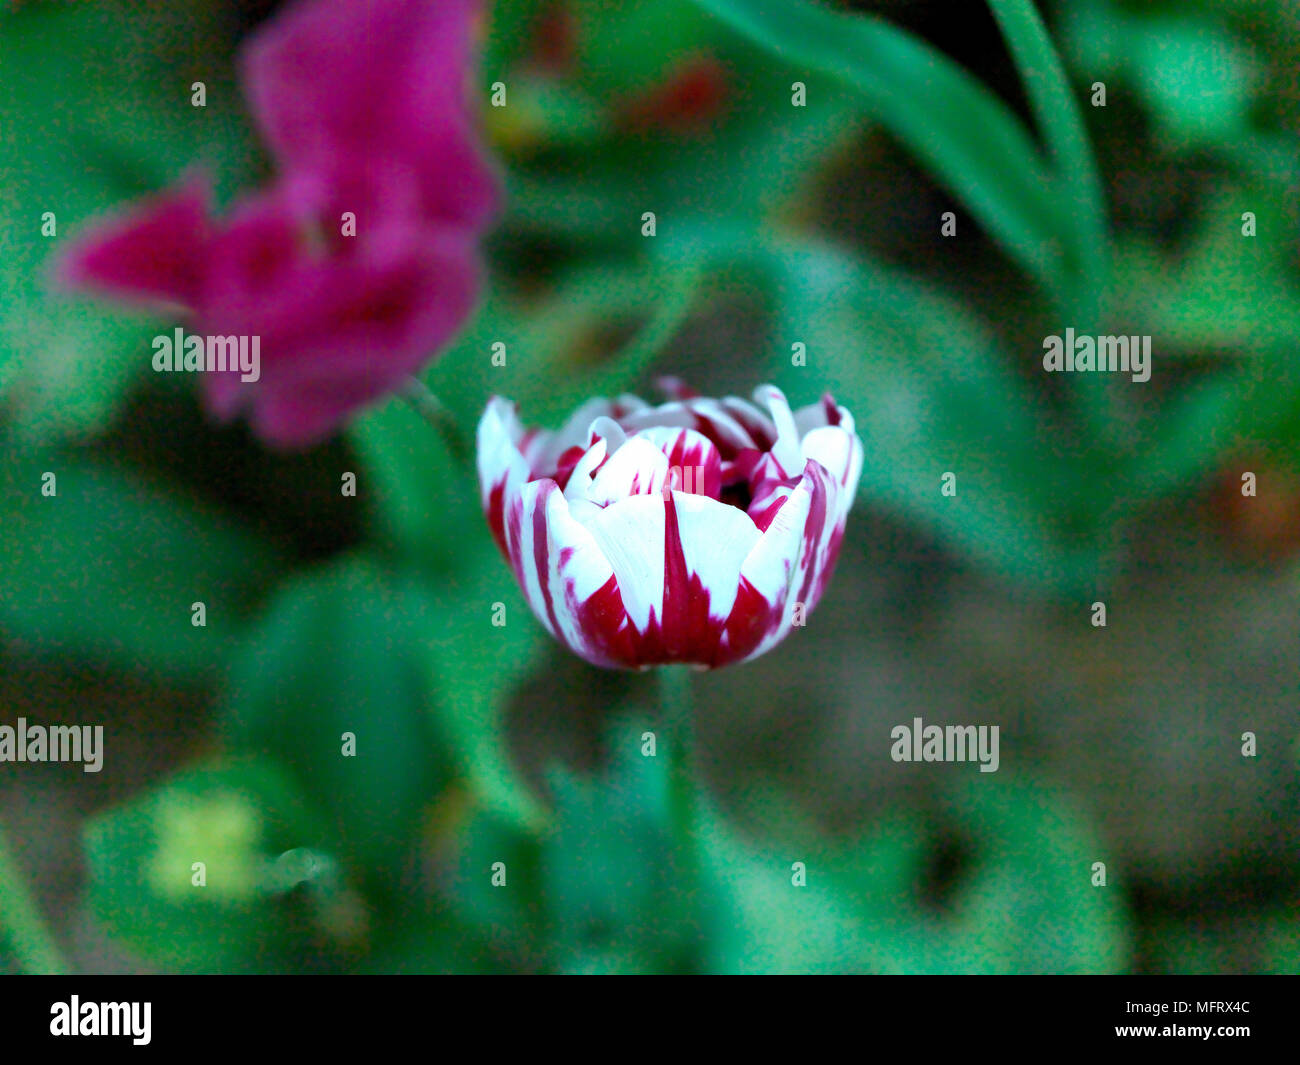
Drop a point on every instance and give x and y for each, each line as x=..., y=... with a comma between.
x=783, y=567
x=630, y=533
x=705, y=416
x=693, y=462
x=502, y=470
x=568, y=581
x=573, y=433
x=838, y=452
x=636, y=468
x=785, y=449
x=716, y=540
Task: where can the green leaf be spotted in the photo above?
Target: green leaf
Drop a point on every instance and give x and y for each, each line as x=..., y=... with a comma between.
x=440, y=945
x=476, y=666
x=418, y=497
x=493, y=883
x=1281, y=940
x=628, y=46
x=766, y=924
x=761, y=151
x=109, y=568
x=624, y=898
x=24, y=935
x=509, y=34
x=747, y=152
x=1022, y=900
x=1060, y=123
x=237, y=819
x=331, y=684
x=1196, y=79
x=965, y=135
x=1028, y=903
x=1209, y=298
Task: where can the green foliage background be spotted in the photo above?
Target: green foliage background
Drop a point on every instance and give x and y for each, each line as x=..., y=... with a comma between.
x=479, y=744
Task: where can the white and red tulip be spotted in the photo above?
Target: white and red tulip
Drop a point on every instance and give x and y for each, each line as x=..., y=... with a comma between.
x=700, y=531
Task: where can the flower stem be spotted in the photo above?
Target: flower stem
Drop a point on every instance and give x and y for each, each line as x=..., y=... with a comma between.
x=429, y=407
x=677, y=713
x=22, y=928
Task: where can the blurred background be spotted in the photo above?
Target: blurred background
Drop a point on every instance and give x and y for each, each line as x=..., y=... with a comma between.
x=777, y=225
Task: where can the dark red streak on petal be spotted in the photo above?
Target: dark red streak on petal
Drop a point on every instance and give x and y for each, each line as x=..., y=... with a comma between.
x=752, y=619
x=686, y=633
x=542, y=559
x=496, y=515
x=832, y=411
x=603, y=622
x=813, y=528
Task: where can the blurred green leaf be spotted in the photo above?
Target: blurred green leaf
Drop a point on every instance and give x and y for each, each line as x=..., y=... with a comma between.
x=758, y=155
x=1195, y=78
x=1022, y=902
x=503, y=904
x=109, y=567
x=475, y=666
x=1281, y=936
x=235, y=818
x=766, y=924
x=731, y=144
x=24, y=935
x=509, y=35
x=439, y=945
x=970, y=139
x=622, y=894
x=1203, y=309
x=340, y=652
x=420, y=499
x=1028, y=903
x=629, y=45
x=1060, y=125
x=1209, y=299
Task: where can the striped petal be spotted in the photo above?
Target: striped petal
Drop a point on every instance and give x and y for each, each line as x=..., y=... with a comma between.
x=699, y=531
x=782, y=571
x=502, y=469
x=568, y=581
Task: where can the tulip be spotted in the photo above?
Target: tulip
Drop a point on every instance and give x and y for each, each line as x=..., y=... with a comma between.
x=697, y=532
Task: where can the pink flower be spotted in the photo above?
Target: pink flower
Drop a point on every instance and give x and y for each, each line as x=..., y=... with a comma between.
x=700, y=531
x=363, y=105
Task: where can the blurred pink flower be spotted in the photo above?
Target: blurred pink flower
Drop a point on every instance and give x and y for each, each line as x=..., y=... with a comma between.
x=363, y=104
x=700, y=531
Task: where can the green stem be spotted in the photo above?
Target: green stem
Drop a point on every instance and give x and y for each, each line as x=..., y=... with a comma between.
x=432, y=410
x=677, y=713
x=21, y=925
